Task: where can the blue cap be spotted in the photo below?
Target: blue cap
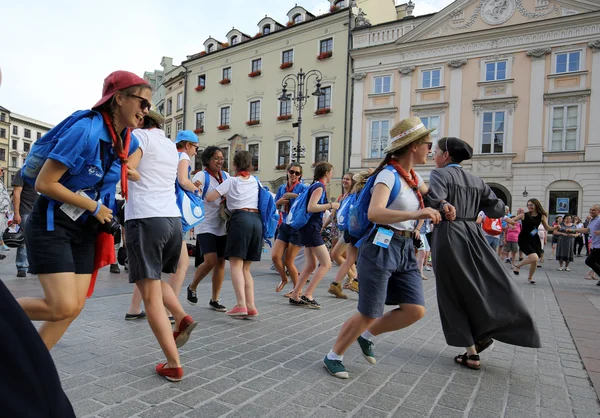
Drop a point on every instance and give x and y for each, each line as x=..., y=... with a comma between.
x=188, y=136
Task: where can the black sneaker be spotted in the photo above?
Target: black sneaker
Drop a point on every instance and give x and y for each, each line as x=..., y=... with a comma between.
x=216, y=305
x=191, y=296
x=114, y=268
x=313, y=304
x=21, y=273
x=295, y=302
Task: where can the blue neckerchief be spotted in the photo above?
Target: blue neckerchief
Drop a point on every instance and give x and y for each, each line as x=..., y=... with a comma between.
x=454, y=165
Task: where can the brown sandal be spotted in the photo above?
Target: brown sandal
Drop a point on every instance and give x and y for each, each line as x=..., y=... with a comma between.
x=464, y=361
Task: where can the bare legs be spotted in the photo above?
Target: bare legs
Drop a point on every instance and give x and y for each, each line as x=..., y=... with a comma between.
x=136, y=302
x=64, y=298
x=312, y=255
x=281, y=262
x=351, y=256
x=532, y=260
x=243, y=283
x=421, y=257
x=217, y=266
x=176, y=280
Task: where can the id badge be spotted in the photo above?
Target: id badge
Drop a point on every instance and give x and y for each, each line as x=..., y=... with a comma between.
x=534, y=232
x=74, y=212
x=383, y=237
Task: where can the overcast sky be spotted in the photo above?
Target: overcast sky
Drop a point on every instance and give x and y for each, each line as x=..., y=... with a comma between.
x=55, y=54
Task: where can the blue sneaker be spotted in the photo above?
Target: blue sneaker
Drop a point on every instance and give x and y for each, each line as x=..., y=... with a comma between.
x=335, y=368
x=366, y=347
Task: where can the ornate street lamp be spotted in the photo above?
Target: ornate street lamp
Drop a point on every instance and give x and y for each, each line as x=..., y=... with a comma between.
x=300, y=88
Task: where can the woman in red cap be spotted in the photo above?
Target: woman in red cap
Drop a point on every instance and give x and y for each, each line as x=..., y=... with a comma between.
x=76, y=168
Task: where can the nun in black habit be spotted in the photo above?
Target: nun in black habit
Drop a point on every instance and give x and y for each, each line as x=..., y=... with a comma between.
x=477, y=299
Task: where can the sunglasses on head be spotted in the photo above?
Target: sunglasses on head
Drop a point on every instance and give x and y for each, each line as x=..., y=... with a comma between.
x=144, y=103
x=295, y=173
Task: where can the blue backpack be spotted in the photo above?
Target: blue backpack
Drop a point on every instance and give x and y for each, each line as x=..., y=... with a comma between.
x=207, y=181
x=268, y=212
x=299, y=215
x=342, y=214
x=190, y=205
x=358, y=221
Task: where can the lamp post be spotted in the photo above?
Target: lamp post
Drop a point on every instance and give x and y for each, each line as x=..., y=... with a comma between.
x=300, y=88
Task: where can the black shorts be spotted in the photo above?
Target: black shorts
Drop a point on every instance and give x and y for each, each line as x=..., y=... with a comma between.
x=153, y=246
x=349, y=239
x=288, y=234
x=310, y=234
x=70, y=248
x=210, y=243
x=244, y=238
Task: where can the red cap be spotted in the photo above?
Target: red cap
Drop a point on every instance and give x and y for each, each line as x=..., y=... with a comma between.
x=119, y=80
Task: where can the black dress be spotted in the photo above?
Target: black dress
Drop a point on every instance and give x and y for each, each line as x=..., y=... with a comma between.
x=529, y=243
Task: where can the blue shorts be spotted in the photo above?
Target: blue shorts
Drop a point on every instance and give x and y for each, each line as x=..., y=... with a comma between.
x=310, y=235
x=493, y=241
x=288, y=234
x=388, y=276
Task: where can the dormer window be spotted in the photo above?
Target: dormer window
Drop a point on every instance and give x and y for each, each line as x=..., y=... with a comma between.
x=210, y=48
x=235, y=40
x=266, y=29
x=340, y=3
x=297, y=18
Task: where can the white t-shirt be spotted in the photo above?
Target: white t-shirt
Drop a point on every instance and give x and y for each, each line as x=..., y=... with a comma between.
x=213, y=223
x=406, y=200
x=240, y=193
x=153, y=196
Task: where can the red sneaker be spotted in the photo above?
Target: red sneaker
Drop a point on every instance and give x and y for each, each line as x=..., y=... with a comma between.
x=237, y=311
x=173, y=374
x=253, y=312
x=186, y=326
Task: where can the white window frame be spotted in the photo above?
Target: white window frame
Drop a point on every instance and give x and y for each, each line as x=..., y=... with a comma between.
x=230, y=73
x=203, y=119
x=504, y=132
x=235, y=39
x=382, y=77
x=281, y=61
x=430, y=70
x=290, y=103
x=203, y=78
x=495, y=63
x=210, y=48
x=324, y=135
x=298, y=15
x=265, y=26
x=289, y=141
x=169, y=106
x=434, y=136
x=564, y=129
x=326, y=39
x=168, y=130
x=370, y=136
x=259, y=64
x=259, y=149
x=555, y=55
x=259, y=109
x=179, y=126
x=226, y=150
x=179, y=101
x=329, y=86
x=220, y=113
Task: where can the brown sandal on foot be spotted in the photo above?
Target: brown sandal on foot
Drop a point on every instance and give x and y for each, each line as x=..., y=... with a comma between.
x=464, y=361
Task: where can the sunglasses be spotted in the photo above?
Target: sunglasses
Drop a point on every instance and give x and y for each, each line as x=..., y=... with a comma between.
x=295, y=173
x=429, y=145
x=144, y=103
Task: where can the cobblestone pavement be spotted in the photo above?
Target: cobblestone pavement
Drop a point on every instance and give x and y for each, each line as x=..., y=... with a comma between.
x=272, y=366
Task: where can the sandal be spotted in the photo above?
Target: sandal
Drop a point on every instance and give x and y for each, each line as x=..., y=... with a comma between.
x=281, y=285
x=464, y=361
x=482, y=345
x=516, y=271
x=531, y=281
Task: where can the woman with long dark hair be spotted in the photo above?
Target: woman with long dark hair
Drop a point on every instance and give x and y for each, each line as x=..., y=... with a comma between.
x=529, y=241
x=476, y=297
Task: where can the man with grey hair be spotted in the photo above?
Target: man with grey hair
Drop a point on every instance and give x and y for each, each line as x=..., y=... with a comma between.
x=593, y=260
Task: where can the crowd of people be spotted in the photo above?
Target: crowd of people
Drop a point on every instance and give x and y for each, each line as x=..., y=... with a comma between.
x=455, y=221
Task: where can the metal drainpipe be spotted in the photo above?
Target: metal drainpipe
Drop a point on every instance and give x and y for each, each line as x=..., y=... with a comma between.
x=185, y=78
x=348, y=145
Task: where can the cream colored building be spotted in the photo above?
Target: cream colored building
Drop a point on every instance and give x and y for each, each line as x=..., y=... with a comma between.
x=518, y=79
x=4, y=141
x=174, y=104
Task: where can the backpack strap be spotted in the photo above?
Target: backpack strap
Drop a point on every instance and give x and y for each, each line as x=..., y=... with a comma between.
x=206, y=183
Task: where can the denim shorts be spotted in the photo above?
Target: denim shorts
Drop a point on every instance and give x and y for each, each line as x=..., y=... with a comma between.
x=493, y=241
x=288, y=234
x=388, y=276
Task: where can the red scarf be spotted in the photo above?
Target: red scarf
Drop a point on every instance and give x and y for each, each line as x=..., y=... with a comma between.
x=289, y=189
x=123, y=155
x=243, y=173
x=219, y=178
x=412, y=182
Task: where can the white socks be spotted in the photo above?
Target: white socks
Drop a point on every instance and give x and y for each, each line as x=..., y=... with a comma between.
x=332, y=356
x=367, y=335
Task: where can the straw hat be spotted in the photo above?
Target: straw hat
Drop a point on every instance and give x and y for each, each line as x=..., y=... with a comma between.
x=406, y=132
x=361, y=176
x=155, y=116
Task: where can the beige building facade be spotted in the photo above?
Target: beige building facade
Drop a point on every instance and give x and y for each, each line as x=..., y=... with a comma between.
x=517, y=79
x=4, y=141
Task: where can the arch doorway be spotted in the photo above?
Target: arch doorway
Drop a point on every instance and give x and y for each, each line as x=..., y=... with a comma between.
x=502, y=193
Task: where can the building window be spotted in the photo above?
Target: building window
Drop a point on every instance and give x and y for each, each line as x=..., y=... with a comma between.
x=287, y=56
x=380, y=135
x=227, y=73
x=568, y=62
x=2, y=154
x=495, y=71
x=26, y=147
x=565, y=128
x=27, y=133
x=297, y=18
x=15, y=130
x=14, y=144
x=202, y=80
x=256, y=65
x=324, y=101
x=383, y=84
x=179, y=101
x=492, y=133
x=254, y=150
x=179, y=126
x=13, y=162
x=2, y=117
x=431, y=122
x=266, y=29
x=234, y=40
x=169, y=106
x=210, y=48
x=225, y=115
x=2, y=133
x=340, y=3
x=255, y=111
x=168, y=131
x=321, y=149
x=285, y=108
x=199, y=120
x=225, y=151
x=431, y=78
x=326, y=45
x=38, y=135
x=283, y=153
x=563, y=203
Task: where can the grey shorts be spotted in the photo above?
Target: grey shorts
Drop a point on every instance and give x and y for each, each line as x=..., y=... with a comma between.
x=388, y=276
x=153, y=247
x=512, y=247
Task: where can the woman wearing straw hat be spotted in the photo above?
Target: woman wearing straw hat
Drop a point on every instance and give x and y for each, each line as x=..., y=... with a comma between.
x=154, y=240
x=476, y=296
x=387, y=272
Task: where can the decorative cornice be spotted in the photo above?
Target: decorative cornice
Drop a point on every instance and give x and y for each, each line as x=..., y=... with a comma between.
x=538, y=53
x=389, y=110
x=359, y=76
x=509, y=103
x=577, y=96
x=457, y=63
x=323, y=128
x=595, y=45
x=226, y=101
x=284, y=134
x=255, y=95
x=430, y=109
x=406, y=70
